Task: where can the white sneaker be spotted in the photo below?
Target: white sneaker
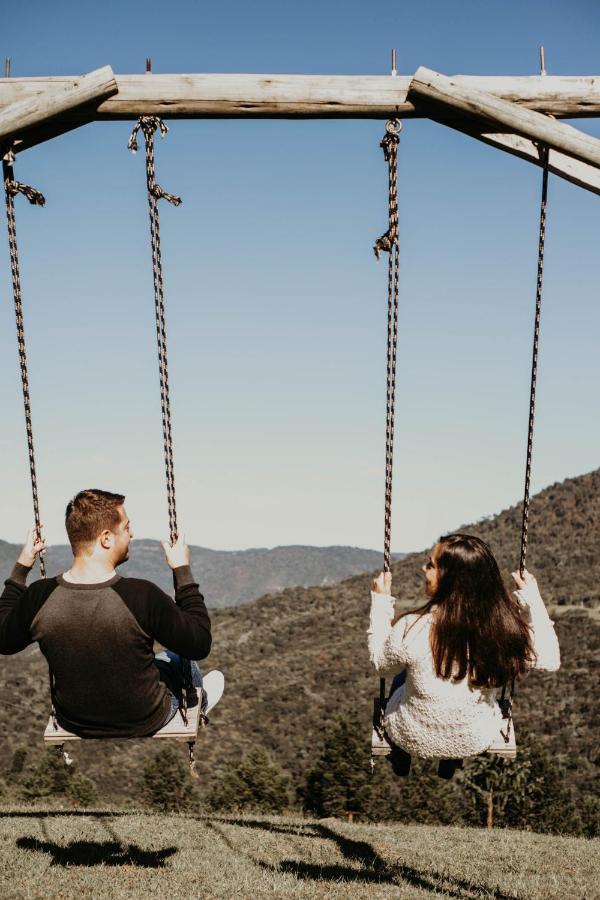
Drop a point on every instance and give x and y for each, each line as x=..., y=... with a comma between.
x=214, y=685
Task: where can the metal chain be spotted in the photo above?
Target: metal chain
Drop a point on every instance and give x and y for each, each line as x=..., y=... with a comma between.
x=389, y=243
x=148, y=126
x=534, y=359
x=12, y=187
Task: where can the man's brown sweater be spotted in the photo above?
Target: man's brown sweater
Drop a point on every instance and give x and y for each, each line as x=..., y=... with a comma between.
x=98, y=640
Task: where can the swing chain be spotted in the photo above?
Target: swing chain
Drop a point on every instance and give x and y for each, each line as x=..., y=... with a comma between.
x=148, y=126
x=389, y=243
x=11, y=188
x=534, y=360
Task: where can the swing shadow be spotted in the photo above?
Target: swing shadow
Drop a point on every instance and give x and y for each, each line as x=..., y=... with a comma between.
x=112, y=852
x=98, y=853
x=373, y=868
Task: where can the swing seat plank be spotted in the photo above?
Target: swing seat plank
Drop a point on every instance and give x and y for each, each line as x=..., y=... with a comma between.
x=175, y=729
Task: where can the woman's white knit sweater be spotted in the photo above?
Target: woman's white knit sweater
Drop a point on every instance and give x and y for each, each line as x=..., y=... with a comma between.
x=431, y=717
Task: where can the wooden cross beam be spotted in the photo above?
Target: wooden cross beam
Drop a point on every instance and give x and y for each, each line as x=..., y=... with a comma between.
x=198, y=96
x=47, y=112
x=579, y=173
x=444, y=99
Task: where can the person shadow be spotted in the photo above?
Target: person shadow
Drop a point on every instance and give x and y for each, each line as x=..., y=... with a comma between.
x=366, y=865
x=98, y=853
x=110, y=852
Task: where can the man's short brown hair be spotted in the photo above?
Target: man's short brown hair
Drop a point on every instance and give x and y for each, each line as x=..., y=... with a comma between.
x=89, y=514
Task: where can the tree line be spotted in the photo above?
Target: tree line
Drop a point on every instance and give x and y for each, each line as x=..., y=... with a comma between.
x=531, y=792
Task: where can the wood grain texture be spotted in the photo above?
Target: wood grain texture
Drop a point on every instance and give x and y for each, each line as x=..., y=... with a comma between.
x=304, y=96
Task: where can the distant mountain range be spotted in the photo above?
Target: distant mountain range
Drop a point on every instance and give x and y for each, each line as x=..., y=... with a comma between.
x=230, y=577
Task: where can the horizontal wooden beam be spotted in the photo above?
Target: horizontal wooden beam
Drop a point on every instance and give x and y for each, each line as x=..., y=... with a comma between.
x=199, y=96
x=433, y=89
x=40, y=111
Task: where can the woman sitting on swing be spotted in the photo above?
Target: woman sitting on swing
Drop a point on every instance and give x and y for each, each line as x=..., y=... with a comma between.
x=453, y=653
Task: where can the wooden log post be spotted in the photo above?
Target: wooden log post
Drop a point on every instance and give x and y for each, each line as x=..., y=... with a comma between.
x=22, y=118
x=433, y=90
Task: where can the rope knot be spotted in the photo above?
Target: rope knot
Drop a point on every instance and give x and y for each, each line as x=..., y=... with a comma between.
x=158, y=192
x=149, y=125
x=35, y=197
x=384, y=244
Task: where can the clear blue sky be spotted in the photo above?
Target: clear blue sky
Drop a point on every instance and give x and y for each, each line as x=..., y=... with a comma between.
x=276, y=307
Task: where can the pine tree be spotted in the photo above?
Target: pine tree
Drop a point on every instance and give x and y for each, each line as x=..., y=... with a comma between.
x=257, y=783
x=52, y=777
x=166, y=781
x=548, y=804
x=340, y=781
x=529, y=792
x=17, y=763
x=82, y=790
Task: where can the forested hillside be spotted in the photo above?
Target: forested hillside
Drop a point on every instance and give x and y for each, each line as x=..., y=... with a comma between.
x=292, y=660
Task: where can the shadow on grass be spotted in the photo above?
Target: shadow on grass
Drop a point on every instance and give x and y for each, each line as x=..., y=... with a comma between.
x=60, y=813
x=373, y=869
x=112, y=852
x=98, y=853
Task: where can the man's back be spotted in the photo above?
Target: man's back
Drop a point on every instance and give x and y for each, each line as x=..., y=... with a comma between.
x=99, y=643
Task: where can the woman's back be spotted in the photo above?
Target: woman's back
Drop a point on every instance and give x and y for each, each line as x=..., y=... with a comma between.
x=428, y=716
x=458, y=650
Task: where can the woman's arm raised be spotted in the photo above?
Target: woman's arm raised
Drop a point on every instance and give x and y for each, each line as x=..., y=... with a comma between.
x=545, y=642
x=387, y=650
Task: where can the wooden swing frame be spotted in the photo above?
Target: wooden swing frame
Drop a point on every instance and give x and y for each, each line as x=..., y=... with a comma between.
x=516, y=114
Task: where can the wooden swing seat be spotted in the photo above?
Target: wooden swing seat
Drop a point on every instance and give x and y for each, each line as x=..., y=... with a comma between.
x=175, y=729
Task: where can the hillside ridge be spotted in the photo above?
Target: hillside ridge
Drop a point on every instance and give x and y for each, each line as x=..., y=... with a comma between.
x=293, y=659
x=230, y=577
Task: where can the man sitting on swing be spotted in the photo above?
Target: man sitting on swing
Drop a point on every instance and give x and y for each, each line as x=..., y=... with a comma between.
x=97, y=629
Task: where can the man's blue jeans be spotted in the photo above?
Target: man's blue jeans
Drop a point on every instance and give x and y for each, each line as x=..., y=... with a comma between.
x=170, y=673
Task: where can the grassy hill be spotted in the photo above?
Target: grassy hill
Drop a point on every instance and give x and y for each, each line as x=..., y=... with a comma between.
x=292, y=660
x=230, y=577
x=53, y=853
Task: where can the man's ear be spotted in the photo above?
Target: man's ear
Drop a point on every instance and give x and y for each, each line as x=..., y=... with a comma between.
x=106, y=539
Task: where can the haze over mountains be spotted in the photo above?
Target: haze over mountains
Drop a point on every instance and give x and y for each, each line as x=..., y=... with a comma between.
x=294, y=659
x=230, y=577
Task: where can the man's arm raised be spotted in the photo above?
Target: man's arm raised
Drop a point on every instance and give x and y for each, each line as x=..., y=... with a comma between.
x=183, y=626
x=18, y=606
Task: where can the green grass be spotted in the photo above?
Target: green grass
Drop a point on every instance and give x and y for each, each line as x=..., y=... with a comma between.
x=56, y=853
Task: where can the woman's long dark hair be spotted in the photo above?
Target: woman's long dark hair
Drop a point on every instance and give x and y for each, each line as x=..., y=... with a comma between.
x=478, y=629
